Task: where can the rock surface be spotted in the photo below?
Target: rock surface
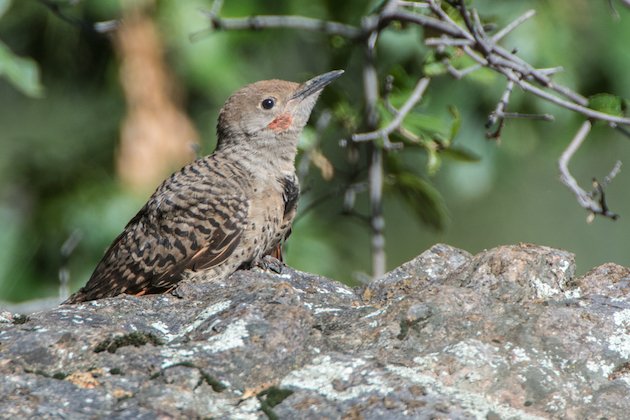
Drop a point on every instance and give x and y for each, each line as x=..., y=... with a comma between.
x=506, y=334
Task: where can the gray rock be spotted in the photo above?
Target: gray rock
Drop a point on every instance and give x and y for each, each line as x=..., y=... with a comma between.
x=506, y=334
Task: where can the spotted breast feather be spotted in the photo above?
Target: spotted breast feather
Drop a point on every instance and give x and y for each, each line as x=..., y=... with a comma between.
x=191, y=228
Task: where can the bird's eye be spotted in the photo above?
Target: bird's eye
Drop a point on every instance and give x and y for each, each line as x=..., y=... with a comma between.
x=268, y=103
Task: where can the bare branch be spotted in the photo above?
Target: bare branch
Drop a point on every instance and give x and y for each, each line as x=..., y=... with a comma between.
x=551, y=70
x=590, y=113
x=422, y=20
x=512, y=25
x=375, y=172
x=495, y=57
x=563, y=165
x=458, y=74
x=103, y=27
x=388, y=88
x=497, y=114
x=376, y=215
x=447, y=42
x=461, y=7
x=413, y=4
x=612, y=174
x=275, y=21
x=217, y=5
x=521, y=116
x=413, y=99
x=585, y=200
x=472, y=38
x=542, y=78
x=437, y=9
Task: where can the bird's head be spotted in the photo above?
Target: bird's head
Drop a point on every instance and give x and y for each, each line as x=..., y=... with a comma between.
x=269, y=111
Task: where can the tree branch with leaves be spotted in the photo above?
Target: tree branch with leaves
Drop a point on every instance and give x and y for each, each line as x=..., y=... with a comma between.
x=457, y=29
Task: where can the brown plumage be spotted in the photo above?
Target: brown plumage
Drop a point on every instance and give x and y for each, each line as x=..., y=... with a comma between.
x=224, y=211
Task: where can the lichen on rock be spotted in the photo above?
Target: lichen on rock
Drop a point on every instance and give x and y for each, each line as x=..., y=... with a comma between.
x=507, y=333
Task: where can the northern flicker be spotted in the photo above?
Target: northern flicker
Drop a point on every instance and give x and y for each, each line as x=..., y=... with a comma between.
x=224, y=211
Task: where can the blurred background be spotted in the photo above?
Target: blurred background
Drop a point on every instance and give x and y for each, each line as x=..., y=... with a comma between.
x=91, y=122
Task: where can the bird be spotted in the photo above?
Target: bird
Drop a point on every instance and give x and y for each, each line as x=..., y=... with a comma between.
x=223, y=212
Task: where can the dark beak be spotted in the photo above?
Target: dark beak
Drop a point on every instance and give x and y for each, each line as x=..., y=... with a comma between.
x=316, y=84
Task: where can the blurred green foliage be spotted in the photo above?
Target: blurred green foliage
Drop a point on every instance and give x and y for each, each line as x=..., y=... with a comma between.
x=57, y=162
x=22, y=73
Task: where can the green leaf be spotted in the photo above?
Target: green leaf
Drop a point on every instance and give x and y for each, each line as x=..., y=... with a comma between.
x=433, y=65
x=22, y=73
x=424, y=123
x=434, y=69
x=419, y=194
x=457, y=121
x=422, y=198
x=453, y=13
x=4, y=6
x=483, y=75
x=606, y=103
x=434, y=162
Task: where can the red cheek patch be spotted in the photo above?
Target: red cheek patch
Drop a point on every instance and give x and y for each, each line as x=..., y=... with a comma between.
x=281, y=122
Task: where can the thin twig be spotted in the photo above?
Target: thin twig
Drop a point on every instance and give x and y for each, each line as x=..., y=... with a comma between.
x=612, y=174
x=275, y=22
x=521, y=116
x=584, y=199
x=458, y=74
x=217, y=5
x=387, y=90
x=497, y=114
x=472, y=38
x=413, y=4
x=438, y=11
x=87, y=26
x=551, y=70
x=512, y=25
x=447, y=42
x=413, y=99
x=375, y=172
x=350, y=194
x=563, y=165
x=542, y=78
x=590, y=113
x=422, y=20
x=497, y=56
x=376, y=214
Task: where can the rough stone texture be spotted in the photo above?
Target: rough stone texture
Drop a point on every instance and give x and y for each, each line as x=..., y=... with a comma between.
x=506, y=334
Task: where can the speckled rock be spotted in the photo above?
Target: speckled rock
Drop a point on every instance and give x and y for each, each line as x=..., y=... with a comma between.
x=506, y=334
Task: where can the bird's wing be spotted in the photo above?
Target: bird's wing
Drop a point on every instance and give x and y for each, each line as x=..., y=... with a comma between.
x=178, y=229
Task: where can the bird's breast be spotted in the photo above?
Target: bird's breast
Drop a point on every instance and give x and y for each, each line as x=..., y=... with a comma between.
x=268, y=222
